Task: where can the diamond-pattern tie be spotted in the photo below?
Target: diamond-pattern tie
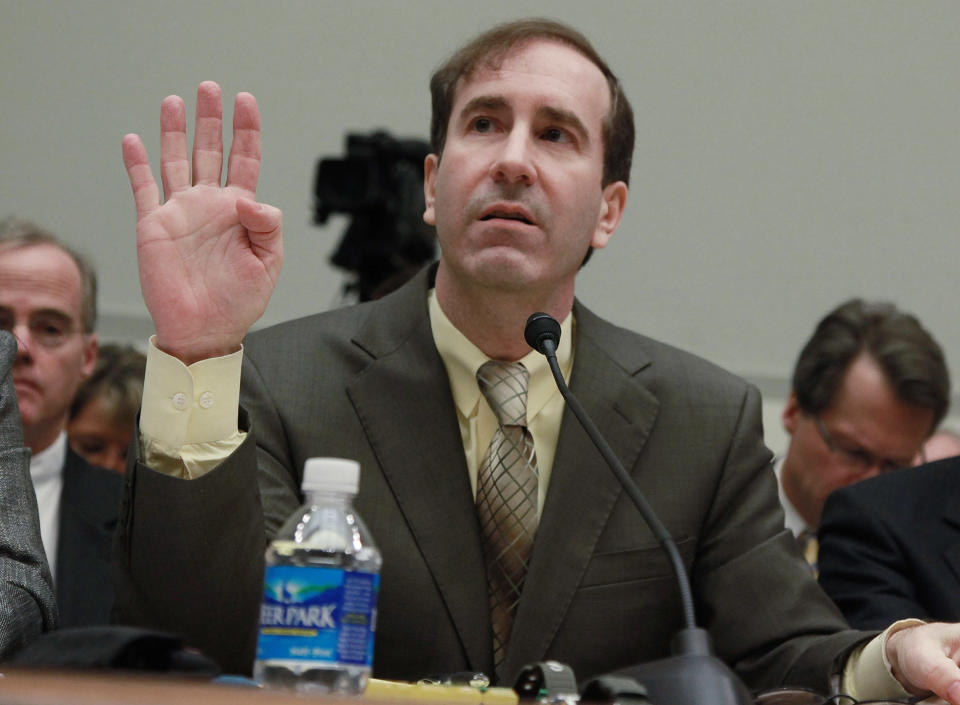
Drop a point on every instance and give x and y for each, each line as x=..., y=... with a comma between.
x=506, y=495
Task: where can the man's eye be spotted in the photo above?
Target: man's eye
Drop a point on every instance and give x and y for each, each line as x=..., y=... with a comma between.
x=89, y=446
x=50, y=327
x=555, y=134
x=483, y=124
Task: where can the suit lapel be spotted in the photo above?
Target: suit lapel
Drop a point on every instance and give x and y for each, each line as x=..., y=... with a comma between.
x=583, y=490
x=411, y=422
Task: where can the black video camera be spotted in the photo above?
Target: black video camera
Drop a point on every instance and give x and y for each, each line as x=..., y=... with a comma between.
x=380, y=184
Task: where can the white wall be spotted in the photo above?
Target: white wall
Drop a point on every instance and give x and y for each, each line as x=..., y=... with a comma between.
x=789, y=154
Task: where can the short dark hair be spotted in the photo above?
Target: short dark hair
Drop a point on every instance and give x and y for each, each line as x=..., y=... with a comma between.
x=911, y=360
x=493, y=45
x=16, y=234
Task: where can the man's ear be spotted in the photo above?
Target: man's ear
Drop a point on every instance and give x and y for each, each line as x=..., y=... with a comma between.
x=430, y=165
x=611, y=212
x=791, y=414
x=91, y=347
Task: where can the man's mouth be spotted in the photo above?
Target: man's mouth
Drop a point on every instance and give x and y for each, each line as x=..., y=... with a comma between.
x=518, y=216
x=24, y=384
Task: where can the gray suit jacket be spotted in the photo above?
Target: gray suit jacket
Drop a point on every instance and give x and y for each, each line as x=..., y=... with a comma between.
x=27, y=604
x=367, y=383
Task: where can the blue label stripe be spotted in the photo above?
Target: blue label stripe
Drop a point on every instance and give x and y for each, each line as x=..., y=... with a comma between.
x=326, y=616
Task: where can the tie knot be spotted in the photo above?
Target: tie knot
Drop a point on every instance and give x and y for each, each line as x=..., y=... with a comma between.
x=504, y=385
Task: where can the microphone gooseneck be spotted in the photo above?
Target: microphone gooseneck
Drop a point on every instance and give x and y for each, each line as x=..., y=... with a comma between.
x=693, y=676
x=542, y=333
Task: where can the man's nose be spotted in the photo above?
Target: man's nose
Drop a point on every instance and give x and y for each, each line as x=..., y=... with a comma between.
x=515, y=160
x=24, y=340
x=872, y=469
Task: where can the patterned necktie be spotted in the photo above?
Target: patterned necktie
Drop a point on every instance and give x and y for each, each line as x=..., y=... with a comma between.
x=506, y=495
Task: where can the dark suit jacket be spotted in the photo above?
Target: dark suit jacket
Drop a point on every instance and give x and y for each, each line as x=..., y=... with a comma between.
x=89, y=509
x=890, y=546
x=27, y=604
x=367, y=383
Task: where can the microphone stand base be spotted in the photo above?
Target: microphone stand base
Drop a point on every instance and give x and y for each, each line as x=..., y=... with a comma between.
x=694, y=676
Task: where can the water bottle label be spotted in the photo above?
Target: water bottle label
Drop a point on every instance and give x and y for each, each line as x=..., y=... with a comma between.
x=325, y=615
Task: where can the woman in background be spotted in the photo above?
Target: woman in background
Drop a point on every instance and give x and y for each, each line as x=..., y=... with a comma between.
x=106, y=405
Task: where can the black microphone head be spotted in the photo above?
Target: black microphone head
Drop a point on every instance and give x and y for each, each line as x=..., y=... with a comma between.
x=542, y=327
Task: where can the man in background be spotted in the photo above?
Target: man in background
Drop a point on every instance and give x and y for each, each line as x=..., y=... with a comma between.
x=869, y=388
x=48, y=302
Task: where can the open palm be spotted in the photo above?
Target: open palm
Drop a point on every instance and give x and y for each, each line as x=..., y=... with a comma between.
x=210, y=255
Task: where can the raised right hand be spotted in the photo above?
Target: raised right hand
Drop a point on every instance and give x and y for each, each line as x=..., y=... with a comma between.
x=210, y=255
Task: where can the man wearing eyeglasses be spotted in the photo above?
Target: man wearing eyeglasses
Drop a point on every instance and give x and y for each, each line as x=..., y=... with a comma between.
x=869, y=388
x=48, y=302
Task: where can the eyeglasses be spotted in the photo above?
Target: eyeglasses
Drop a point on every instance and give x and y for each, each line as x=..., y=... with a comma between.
x=858, y=458
x=803, y=696
x=50, y=329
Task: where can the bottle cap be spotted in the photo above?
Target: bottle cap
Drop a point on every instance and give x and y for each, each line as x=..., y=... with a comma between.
x=331, y=475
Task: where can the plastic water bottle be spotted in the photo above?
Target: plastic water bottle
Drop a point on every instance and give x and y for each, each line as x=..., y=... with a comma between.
x=319, y=608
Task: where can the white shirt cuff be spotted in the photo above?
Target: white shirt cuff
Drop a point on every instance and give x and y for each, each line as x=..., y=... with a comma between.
x=195, y=404
x=868, y=675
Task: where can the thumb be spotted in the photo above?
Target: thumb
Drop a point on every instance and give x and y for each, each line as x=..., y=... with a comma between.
x=265, y=227
x=263, y=222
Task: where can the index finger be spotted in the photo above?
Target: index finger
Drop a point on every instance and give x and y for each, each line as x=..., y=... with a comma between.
x=243, y=167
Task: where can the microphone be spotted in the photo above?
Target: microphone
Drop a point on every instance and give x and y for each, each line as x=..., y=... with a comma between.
x=542, y=333
x=693, y=675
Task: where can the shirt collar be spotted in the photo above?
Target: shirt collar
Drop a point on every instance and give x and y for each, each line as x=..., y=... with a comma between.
x=791, y=517
x=462, y=359
x=48, y=463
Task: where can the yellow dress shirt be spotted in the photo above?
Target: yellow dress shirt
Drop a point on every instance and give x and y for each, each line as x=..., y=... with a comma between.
x=477, y=421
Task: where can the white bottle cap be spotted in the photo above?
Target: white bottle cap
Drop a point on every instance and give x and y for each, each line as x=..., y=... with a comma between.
x=331, y=475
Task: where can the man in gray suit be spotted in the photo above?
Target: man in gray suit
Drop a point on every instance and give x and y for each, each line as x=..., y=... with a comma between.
x=27, y=604
x=532, y=138
x=869, y=387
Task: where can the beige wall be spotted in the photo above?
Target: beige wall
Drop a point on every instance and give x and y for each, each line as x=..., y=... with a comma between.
x=790, y=154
